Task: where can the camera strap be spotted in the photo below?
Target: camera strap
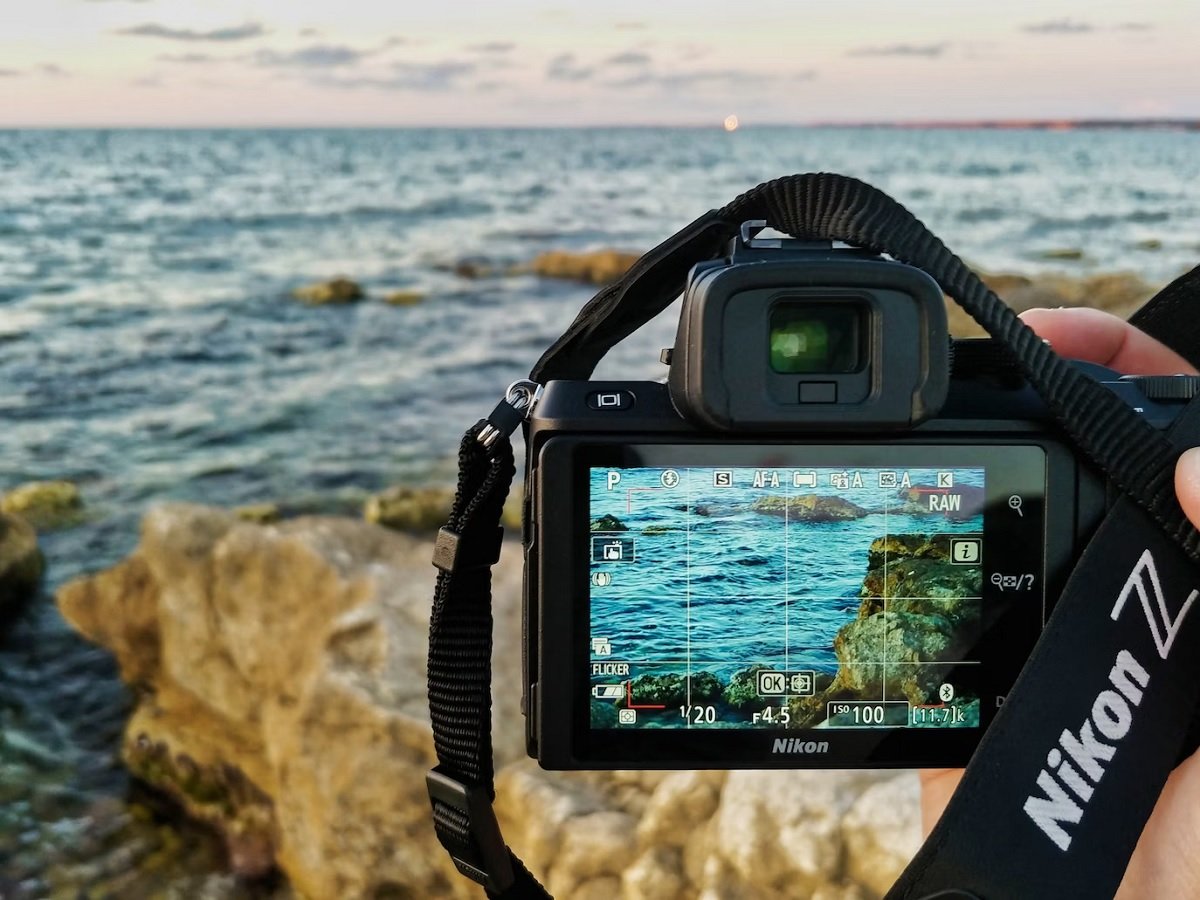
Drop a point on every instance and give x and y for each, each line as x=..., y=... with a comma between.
x=1099, y=716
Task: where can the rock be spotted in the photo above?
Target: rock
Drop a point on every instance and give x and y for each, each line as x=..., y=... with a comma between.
x=1066, y=253
x=597, y=267
x=262, y=513
x=880, y=832
x=45, y=504
x=1149, y=244
x=608, y=523
x=21, y=564
x=1119, y=293
x=282, y=700
x=335, y=291
x=671, y=690
x=282, y=690
x=809, y=508
x=932, y=613
x=471, y=267
x=403, y=298
x=410, y=509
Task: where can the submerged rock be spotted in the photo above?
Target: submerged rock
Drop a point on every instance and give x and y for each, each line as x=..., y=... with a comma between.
x=335, y=291
x=21, y=564
x=45, y=504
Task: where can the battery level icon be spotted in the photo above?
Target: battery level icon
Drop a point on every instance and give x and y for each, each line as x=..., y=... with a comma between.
x=608, y=691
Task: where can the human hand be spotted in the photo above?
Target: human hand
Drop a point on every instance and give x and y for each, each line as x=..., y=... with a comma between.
x=1165, y=863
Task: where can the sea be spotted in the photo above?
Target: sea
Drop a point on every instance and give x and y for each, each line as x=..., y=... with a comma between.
x=150, y=349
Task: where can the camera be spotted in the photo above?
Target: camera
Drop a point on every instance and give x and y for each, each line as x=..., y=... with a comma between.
x=830, y=539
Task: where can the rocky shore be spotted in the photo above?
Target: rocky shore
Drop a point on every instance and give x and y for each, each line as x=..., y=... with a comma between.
x=279, y=676
x=1117, y=292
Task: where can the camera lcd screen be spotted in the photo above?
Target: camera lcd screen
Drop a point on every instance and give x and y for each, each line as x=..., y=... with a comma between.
x=806, y=598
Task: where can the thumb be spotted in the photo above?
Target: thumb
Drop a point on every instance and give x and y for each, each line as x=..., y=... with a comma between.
x=1187, y=484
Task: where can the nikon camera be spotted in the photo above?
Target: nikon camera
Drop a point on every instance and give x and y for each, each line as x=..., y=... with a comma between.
x=829, y=540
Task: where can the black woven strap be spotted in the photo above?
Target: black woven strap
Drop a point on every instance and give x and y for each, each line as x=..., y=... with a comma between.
x=1138, y=459
x=462, y=788
x=1170, y=316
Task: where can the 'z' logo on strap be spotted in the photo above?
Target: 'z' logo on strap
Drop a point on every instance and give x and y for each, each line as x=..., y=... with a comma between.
x=1075, y=767
x=1144, y=580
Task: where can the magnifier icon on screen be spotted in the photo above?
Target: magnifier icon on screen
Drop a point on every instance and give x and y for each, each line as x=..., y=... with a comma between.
x=1014, y=503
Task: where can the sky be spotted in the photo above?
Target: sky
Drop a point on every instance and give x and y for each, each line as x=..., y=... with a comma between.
x=79, y=63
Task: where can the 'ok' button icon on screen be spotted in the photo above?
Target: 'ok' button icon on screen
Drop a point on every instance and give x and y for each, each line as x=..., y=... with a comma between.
x=771, y=684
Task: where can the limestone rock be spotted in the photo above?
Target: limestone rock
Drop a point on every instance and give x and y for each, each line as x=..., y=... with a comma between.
x=717, y=835
x=335, y=291
x=409, y=509
x=282, y=691
x=21, y=563
x=262, y=513
x=45, y=504
x=282, y=700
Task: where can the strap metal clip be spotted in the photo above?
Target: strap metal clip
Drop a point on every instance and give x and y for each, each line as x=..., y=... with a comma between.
x=516, y=407
x=480, y=854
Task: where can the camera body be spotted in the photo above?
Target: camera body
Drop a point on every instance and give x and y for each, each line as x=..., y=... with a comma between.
x=818, y=545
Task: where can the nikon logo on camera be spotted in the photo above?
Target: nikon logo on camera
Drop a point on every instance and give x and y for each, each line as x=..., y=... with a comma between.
x=797, y=746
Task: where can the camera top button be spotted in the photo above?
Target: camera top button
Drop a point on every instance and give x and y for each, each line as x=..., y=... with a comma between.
x=610, y=400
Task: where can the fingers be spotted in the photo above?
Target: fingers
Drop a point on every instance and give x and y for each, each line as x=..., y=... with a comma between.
x=937, y=785
x=1100, y=337
x=1187, y=484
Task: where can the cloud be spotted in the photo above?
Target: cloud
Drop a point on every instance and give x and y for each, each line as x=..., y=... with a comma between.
x=711, y=79
x=406, y=76
x=497, y=47
x=1134, y=26
x=10, y=73
x=187, y=58
x=148, y=81
x=54, y=70
x=317, y=56
x=928, y=51
x=629, y=58
x=229, y=33
x=564, y=68
x=1059, y=26
x=631, y=26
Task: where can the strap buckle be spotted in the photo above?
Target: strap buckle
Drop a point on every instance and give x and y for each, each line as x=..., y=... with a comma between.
x=480, y=853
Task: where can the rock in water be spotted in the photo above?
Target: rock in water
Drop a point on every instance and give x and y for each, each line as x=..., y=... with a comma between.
x=409, y=509
x=283, y=692
x=45, y=504
x=809, y=508
x=21, y=564
x=334, y=291
x=597, y=267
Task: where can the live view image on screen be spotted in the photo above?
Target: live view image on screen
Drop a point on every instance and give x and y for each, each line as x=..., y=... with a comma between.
x=791, y=598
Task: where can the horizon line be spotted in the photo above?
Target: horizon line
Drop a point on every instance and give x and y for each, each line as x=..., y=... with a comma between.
x=1180, y=123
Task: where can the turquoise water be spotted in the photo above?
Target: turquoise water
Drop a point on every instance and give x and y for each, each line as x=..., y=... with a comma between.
x=716, y=583
x=149, y=350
